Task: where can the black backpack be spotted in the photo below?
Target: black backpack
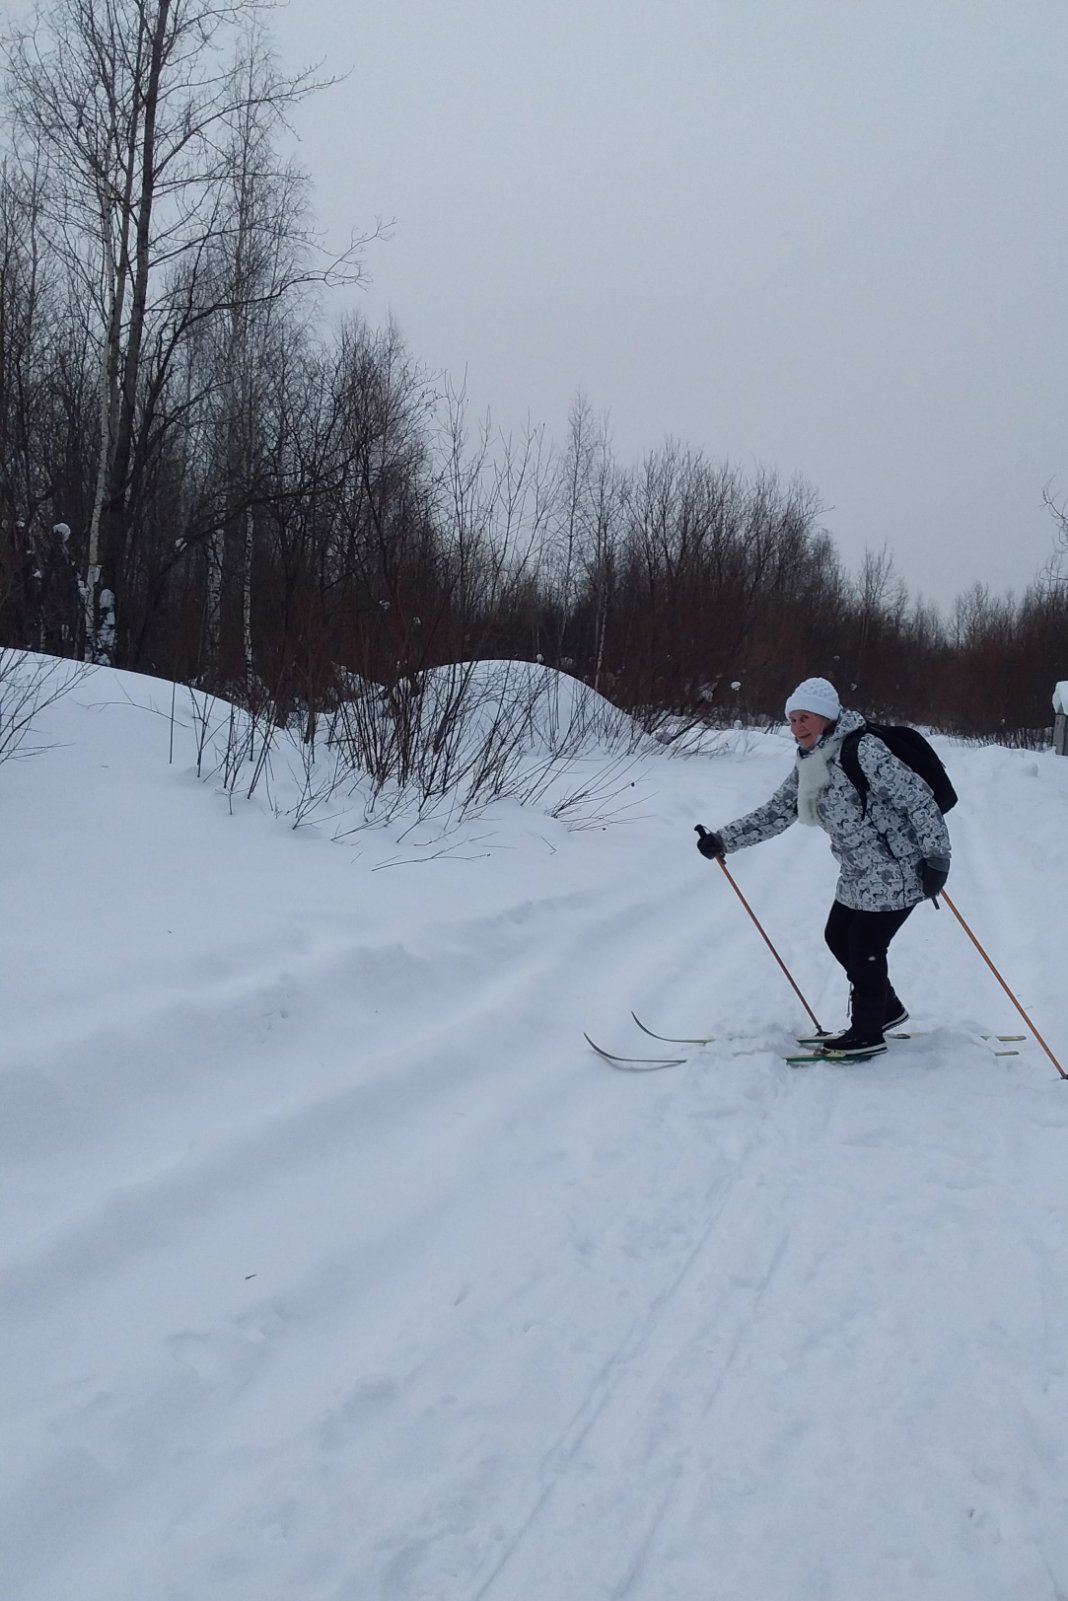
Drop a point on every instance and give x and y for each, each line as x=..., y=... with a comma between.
x=910, y=747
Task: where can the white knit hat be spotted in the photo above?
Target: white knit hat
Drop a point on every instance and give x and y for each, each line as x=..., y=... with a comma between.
x=815, y=695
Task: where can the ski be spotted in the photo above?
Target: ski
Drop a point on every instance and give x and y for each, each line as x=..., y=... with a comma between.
x=806, y=1058
x=818, y=1039
x=669, y=1039
x=919, y=1034
x=990, y=1041
x=634, y=1064
x=809, y=1057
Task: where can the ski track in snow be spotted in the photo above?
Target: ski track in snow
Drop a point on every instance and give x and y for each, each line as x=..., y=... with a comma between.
x=338, y=1267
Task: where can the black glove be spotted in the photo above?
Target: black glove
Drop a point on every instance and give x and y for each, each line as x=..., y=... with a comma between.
x=709, y=843
x=933, y=874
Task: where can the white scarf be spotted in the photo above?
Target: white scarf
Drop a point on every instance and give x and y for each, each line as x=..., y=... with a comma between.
x=813, y=776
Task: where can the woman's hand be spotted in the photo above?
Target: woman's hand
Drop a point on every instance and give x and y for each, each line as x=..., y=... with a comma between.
x=934, y=871
x=709, y=843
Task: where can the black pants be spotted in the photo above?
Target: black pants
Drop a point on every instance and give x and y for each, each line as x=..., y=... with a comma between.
x=860, y=941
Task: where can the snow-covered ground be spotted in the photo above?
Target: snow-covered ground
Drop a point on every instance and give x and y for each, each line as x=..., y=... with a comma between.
x=334, y=1266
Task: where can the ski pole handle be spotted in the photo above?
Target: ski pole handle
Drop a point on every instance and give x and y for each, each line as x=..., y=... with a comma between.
x=715, y=854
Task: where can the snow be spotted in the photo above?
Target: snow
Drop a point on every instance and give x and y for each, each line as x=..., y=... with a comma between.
x=1060, y=697
x=333, y=1264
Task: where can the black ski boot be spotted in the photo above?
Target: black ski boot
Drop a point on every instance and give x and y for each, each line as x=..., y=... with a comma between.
x=852, y=1043
x=864, y=1036
x=894, y=1013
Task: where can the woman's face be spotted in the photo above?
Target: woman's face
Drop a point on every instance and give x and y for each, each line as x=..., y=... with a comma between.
x=806, y=727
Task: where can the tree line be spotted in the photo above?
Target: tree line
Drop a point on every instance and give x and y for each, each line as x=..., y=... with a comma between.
x=204, y=476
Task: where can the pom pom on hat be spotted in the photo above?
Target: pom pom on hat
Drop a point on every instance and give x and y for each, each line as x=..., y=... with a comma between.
x=815, y=695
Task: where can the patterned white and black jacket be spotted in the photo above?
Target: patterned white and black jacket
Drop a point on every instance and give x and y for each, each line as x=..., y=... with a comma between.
x=879, y=852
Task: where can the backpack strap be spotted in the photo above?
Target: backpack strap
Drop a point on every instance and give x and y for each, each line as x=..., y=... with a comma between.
x=852, y=768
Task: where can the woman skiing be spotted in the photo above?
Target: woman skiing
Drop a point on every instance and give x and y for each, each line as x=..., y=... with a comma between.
x=893, y=850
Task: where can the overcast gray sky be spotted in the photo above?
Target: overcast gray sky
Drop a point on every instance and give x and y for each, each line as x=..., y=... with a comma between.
x=824, y=236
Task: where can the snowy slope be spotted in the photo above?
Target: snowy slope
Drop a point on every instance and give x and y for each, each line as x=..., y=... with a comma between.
x=334, y=1265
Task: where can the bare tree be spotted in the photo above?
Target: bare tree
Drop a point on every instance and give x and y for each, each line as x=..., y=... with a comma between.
x=1054, y=572
x=36, y=574
x=259, y=254
x=132, y=116
x=879, y=594
x=585, y=524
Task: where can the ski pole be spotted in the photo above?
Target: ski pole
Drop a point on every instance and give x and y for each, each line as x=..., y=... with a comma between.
x=1003, y=984
x=727, y=873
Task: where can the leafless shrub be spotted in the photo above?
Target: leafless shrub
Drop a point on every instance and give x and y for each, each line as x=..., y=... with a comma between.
x=204, y=719
x=318, y=779
x=29, y=684
x=459, y=737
